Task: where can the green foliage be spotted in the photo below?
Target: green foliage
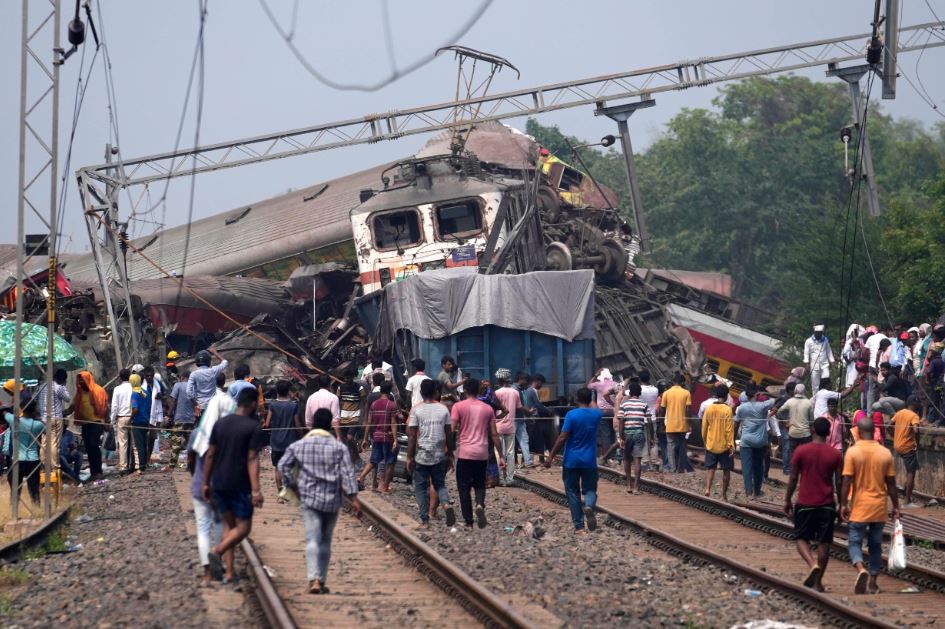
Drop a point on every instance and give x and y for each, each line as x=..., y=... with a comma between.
x=11, y=576
x=756, y=188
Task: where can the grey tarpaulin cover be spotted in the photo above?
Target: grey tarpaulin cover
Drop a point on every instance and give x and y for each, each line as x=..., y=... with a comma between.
x=437, y=303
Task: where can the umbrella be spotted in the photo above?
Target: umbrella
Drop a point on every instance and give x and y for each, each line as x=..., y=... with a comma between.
x=34, y=351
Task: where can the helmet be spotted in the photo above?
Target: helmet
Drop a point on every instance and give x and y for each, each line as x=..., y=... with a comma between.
x=137, y=368
x=10, y=385
x=173, y=355
x=202, y=359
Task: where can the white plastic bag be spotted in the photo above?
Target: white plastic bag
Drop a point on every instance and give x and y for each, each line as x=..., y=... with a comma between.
x=897, y=553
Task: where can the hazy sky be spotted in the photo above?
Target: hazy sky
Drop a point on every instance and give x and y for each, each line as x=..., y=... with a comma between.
x=254, y=85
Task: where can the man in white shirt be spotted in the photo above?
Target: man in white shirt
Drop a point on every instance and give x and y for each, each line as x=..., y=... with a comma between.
x=818, y=356
x=649, y=394
x=324, y=398
x=872, y=344
x=121, y=418
x=413, y=384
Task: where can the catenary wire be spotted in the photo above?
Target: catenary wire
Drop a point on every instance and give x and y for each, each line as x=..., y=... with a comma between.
x=367, y=87
x=193, y=179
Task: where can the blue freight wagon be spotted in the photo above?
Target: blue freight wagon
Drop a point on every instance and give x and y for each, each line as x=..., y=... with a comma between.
x=541, y=322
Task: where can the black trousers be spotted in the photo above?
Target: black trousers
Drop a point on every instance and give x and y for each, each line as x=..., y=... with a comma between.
x=28, y=470
x=470, y=475
x=92, y=438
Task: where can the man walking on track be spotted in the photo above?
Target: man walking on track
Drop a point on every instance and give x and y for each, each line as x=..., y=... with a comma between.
x=231, y=477
x=579, y=439
x=718, y=435
x=632, y=417
x=868, y=473
x=430, y=452
x=817, y=465
x=904, y=424
x=324, y=473
x=473, y=423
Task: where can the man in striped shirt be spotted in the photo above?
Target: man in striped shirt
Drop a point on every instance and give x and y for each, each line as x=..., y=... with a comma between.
x=632, y=416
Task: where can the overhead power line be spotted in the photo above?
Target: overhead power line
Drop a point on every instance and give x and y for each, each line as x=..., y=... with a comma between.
x=288, y=37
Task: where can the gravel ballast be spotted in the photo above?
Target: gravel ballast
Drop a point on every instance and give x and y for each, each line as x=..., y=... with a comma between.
x=606, y=578
x=137, y=566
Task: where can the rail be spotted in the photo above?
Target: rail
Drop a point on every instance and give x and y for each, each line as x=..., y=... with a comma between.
x=847, y=616
x=917, y=528
x=925, y=577
x=12, y=551
x=277, y=614
x=478, y=601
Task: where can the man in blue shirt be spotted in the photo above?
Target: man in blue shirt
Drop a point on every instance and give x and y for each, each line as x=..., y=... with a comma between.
x=29, y=430
x=752, y=418
x=579, y=439
x=202, y=384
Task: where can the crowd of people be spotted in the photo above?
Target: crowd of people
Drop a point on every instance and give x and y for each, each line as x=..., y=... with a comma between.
x=477, y=429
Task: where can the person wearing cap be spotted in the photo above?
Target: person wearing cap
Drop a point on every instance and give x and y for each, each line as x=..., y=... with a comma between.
x=604, y=388
x=170, y=368
x=818, y=356
x=202, y=384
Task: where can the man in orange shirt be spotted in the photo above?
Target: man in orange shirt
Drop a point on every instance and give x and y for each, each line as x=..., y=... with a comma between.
x=904, y=424
x=868, y=472
x=676, y=407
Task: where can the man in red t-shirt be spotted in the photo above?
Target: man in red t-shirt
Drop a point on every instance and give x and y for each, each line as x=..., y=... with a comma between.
x=473, y=422
x=382, y=419
x=818, y=466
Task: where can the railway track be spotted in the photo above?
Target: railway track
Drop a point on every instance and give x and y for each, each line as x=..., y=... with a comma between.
x=12, y=551
x=917, y=528
x=382, y=575
x=759, y=553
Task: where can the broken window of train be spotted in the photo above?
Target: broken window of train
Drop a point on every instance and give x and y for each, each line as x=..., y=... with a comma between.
x=396, y=230
x=739, y=377
x=459, y=219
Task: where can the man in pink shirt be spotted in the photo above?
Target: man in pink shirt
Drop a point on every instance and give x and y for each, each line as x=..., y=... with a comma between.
x=511, y=399
x=324, y=398
x=605, y=389
x=473, y=422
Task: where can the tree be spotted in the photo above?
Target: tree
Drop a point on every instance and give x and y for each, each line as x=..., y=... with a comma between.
x=756, y=187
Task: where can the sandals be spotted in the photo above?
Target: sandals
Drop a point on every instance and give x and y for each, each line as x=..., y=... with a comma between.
x=317, y=587
x=813, y=576
x=859, y=586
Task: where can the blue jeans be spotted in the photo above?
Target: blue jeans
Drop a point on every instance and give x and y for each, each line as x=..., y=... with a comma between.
x=422, y=475
x=753, y=462
x=580, y=481
x=319, y=527
x=664, y=448
x=678, y=453
x=873, y=531
x=521, y=436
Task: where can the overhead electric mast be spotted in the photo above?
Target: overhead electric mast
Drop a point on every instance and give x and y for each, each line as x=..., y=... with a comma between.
x=98, y=184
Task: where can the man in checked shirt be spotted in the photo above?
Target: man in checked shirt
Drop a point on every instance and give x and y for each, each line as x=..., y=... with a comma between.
x=318, y=468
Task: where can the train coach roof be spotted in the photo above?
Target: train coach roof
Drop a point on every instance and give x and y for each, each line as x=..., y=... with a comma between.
x=441, y=190
x=248, y=236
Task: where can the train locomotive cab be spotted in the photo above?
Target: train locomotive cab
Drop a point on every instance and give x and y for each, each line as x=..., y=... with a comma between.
x=431, y=212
